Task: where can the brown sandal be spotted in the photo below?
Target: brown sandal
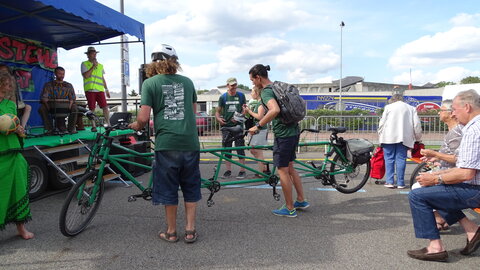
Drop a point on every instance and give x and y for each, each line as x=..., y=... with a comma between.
x=190, y=240
x=166, y=236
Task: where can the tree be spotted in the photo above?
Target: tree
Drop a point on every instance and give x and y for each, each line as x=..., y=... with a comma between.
x=470, y=79
x=133, y=93
x=199, y=92
x=443, y=83
x=244, y=87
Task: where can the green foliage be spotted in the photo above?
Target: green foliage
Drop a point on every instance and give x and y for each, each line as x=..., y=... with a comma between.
x=443, y=83
x=199, y=92
x=470, y=79
x=133, y=93
x=352, y=123
x=244, y=87
x=323, y=112
x=212, y=111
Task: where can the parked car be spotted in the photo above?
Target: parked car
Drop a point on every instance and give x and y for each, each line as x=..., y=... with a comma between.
x=204, y=123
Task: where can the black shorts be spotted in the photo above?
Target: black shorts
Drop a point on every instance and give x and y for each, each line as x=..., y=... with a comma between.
x=238, y=142
x=284, y=150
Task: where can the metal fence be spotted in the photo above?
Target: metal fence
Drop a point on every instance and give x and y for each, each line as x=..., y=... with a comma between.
x=364, y=126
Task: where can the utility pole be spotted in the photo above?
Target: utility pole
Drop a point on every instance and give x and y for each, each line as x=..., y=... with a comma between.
x=342, y=24
x=125, y=79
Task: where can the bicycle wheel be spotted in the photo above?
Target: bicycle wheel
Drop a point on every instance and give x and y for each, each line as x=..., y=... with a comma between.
x=77, y=212
x=421, y=168
x=349, y=182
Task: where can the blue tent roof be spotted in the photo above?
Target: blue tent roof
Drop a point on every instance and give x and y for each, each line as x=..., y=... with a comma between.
x=66, y=24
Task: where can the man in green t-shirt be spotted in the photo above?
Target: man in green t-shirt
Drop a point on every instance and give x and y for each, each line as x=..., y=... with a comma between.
x=172, y=98
x=285, y=144
x=228, y=104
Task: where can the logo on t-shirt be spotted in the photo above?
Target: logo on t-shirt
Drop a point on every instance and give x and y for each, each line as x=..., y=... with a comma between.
x=232, y=105
x=173, y=96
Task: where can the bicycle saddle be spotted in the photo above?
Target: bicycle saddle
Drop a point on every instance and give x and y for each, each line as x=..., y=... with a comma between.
x=337, y=129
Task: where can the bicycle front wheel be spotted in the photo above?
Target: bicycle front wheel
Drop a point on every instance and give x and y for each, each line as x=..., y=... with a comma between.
x=77, y=211
x=421, y=168
x=349, y=182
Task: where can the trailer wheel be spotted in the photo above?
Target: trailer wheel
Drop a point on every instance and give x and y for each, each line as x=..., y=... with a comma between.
x=38, y=177
x=58, y=180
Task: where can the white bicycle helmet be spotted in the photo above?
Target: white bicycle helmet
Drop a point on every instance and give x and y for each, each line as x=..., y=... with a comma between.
x=165, y=52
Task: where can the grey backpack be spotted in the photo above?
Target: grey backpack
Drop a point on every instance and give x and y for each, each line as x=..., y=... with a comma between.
x=292, y=106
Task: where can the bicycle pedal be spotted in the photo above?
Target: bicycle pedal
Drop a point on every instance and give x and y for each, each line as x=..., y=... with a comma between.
x=131, y=198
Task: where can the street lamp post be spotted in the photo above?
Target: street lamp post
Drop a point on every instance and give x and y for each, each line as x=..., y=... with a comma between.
x=342, y=24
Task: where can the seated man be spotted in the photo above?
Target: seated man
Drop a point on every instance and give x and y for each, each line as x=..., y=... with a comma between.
x=58, y=96
x=451, y=190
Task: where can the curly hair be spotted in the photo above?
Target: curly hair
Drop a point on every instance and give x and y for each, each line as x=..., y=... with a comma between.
x=169, y=66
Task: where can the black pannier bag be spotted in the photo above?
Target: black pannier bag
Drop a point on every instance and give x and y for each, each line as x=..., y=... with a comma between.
x=359, y=151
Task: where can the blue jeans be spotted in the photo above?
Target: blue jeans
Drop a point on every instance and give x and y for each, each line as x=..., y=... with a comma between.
x=449, y=200
x=174, y=169
x=395, y=156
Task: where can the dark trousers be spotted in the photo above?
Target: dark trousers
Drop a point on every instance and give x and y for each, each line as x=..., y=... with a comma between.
x=61, y=108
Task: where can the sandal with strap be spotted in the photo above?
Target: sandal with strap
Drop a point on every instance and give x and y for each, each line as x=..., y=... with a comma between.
x=190, y=240
x=166, y=236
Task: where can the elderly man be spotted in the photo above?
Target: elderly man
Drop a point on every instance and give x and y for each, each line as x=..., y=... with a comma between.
x=58, y=96
x=449, y=191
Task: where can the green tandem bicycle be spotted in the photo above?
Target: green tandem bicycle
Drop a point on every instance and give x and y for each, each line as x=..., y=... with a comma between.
x=83, y=200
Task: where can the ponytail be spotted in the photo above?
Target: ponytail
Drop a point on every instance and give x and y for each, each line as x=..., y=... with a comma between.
x=259, y=70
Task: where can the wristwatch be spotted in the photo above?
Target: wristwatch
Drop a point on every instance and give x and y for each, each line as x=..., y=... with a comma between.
x=258, y=125
x=440, y=180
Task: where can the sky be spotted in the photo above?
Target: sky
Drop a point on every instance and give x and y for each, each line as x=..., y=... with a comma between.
x=382, y=41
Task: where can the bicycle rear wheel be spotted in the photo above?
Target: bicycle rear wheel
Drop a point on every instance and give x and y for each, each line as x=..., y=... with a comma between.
x=349, y=182
x=77, y=212
x=421, y=168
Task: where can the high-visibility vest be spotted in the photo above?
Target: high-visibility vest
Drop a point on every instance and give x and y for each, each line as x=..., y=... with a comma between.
x=95, y=81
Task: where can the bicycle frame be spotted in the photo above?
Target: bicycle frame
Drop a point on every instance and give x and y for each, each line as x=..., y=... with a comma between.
x=83, y=200
x=104, y=143
x=101, y=151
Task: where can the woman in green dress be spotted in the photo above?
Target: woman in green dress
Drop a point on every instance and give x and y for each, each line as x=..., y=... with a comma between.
x=14, y=202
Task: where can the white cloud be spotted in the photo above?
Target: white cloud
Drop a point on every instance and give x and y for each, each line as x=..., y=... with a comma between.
x=222, y=21
x=458, y=45
x=303, y=61
x=464, y=19
x=451, y=74
x=201, y=74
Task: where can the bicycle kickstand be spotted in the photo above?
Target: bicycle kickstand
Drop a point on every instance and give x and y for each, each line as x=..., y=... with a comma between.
x=272, y=181
x=146, y=195
x=214, y=188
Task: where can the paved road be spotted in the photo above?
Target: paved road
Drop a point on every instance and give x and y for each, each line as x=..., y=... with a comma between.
x=370, y=229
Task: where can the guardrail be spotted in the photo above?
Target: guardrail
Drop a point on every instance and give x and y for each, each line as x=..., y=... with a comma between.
x=363, y=126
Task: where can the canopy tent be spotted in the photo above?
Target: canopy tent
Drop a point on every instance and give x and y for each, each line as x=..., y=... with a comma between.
x=54, y=24
x=65, y=24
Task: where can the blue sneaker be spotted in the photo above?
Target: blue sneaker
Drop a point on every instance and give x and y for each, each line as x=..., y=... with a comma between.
x=301, y=205
x=284, y=212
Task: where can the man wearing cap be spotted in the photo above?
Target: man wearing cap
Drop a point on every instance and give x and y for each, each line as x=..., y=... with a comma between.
x=95, y=85
x=173, y=100
x=228, y=104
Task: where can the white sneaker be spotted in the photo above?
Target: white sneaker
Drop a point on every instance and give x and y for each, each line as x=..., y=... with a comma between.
x=401, y=187
x=389, y=186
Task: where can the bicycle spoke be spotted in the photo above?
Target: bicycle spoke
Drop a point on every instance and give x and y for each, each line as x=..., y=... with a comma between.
x=79, y=209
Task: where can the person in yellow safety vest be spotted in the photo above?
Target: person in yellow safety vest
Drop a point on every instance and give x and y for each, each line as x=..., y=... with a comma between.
x=95, y=85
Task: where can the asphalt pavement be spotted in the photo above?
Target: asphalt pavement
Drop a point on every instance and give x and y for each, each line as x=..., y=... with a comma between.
x=370, y=229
